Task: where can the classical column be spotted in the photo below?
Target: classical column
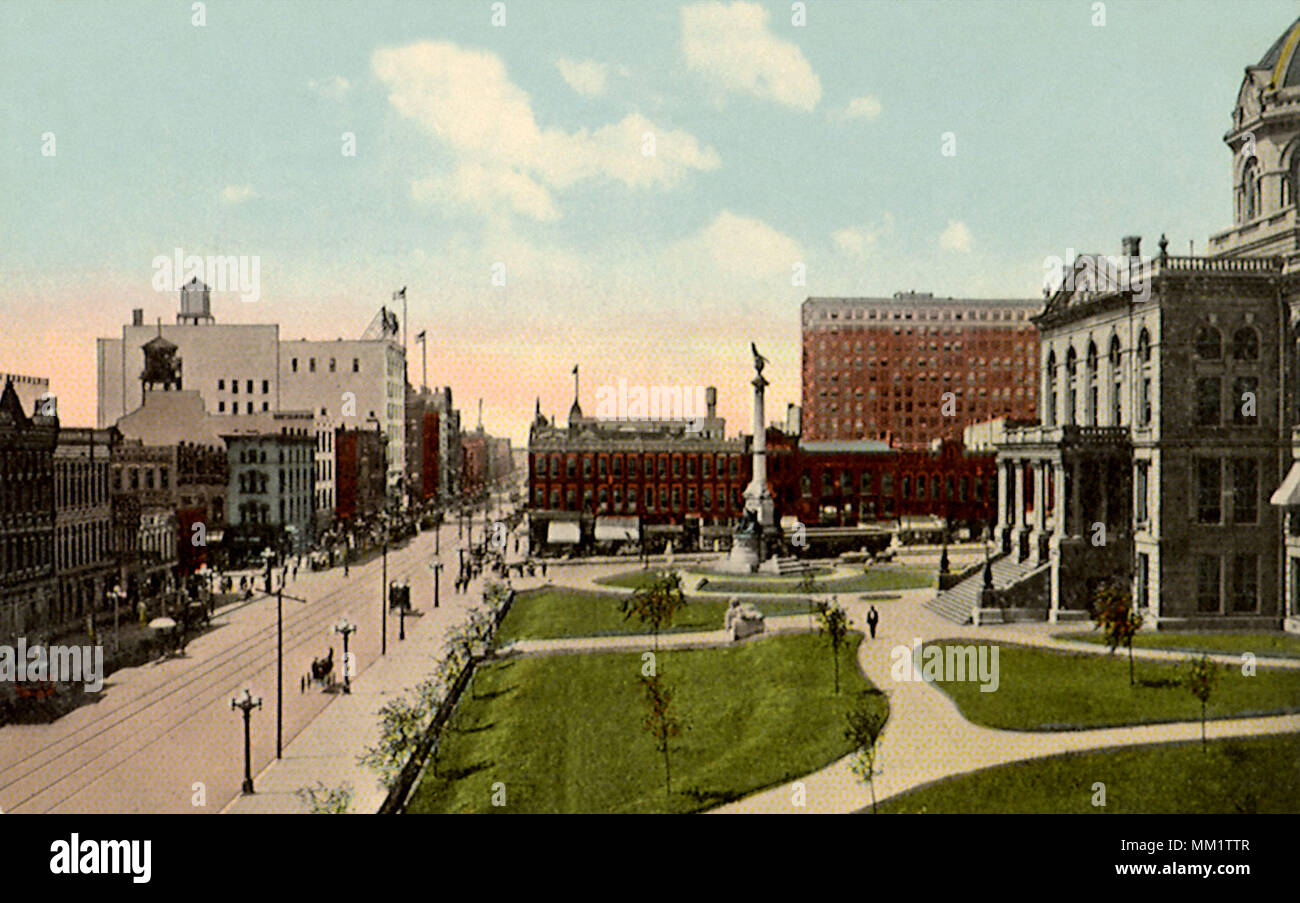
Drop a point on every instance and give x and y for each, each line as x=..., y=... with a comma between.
x=1059, y=502
x=1004, y=505
x=1022, y=508
x=1075, y=523
x=1039, y=533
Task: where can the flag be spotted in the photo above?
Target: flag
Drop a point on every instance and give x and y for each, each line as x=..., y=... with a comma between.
x=575, y=369
x=420, y=336
x=399, y=294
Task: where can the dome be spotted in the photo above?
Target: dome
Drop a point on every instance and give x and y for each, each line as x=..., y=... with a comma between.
x=1283, y=59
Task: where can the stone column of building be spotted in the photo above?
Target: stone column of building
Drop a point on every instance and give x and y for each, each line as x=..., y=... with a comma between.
x=1004, y=523
x=1022, y=507
x=1075, y=521
x=1039, y=533
x=1059, y=503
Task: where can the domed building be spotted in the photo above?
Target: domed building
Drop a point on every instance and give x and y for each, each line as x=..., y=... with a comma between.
x=1265, y=143
x=1167, y=459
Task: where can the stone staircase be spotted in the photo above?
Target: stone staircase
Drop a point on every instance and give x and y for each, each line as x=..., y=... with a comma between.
x=782, y=566
x=957, y=603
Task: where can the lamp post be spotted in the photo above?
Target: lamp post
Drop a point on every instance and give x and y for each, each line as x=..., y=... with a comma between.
x=268, y=556
x=383, y=590
x=246, y=702
x=346, y=628
x=117, y=594
x=401, y=611
x=437, y=579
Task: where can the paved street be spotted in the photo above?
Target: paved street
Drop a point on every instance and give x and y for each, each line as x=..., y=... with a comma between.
x=162, y=729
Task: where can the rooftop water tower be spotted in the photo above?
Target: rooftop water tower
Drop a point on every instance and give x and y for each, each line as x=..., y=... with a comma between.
x=196, y=303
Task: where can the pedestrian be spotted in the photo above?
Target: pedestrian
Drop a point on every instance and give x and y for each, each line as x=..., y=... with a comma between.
x=873, y=618
x=295, y=573
x=543, y=567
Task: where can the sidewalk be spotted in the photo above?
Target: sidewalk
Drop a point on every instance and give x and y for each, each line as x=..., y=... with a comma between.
x=327, y=749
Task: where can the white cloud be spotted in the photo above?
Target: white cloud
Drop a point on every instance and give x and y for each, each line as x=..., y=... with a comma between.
x=483, y=188
x=858, y=239
x=742, y=246
x=333, y=88
x=466, y=100
x=587, y=77
x=865, y=107
x=237, y=194
x=956, y=237
x=732, y=47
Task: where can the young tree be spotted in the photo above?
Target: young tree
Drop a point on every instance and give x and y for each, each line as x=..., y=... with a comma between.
x=808, y=586
x=660, y=721
x=1118, y=620
x=400, y=723
x=323, y=800
x=1202, y=673
x=656, y=602
x=866, y=721
x=835, y=625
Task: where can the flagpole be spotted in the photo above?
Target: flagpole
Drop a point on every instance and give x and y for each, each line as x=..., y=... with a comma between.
x=424, y=359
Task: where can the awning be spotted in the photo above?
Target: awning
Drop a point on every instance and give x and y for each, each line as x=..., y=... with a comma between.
x=562, y=532
x=665, y=528
x=1288, y=493
x=715, y=530
x=616, y=529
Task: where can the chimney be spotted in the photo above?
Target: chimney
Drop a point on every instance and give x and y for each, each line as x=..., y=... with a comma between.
x=711, y=402
x=1132, y=245
x=137, y=317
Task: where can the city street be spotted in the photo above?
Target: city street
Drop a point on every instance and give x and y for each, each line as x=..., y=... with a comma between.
x=163, y=738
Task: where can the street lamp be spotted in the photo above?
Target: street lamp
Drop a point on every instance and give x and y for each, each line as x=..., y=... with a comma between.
x=437, y=579
x=346, y=628
x=117, y=594
x=383, y=589
x=279, y=665
x=268, y=556
x=246, y=702
x=404, y=604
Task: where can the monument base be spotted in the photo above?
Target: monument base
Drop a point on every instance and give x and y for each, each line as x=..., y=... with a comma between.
x=744, y=556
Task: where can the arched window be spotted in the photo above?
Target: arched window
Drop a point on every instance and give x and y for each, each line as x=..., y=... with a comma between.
x=1245, y=344
x=1209, y=344
x=1250, y=190
x=1117, y=381
x=1292, y=182
x=1091, y=363
x=1051, y=388
x=1072, y=387
x=1144, y=346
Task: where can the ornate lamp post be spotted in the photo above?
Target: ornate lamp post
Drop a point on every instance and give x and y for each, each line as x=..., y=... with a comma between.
x=437, y=579
x=383, y=588
x=117, y=594
x=246, y=702
x=346, y=628
x=268, y=556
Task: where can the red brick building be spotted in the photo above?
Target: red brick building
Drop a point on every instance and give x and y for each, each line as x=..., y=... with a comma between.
x=360, y=468
x=913, y=368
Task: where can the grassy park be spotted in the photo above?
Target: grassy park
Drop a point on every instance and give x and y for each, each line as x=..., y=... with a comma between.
x=564, y=733
x=1244, y=775
x=1263, y=644
x=878, y=578
x=553, y=613
x=1045, y=690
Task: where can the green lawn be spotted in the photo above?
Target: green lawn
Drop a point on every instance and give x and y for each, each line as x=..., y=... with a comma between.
x=1044, y=690
x=1245, y=775
x=1271, y=643
x=560, y=612
x=887, y=577
x=564, y=733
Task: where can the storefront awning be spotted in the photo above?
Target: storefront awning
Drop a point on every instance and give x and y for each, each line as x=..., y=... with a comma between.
x=665, y=528
x=616, y=529
x=562, y=532
x=1288, y=493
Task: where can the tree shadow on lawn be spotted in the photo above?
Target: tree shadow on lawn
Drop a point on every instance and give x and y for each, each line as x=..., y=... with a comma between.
x=706, y=799
x=457, y=774
x=493, y=694
x=476, y=729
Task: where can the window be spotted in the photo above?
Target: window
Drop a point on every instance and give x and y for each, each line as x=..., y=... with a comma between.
x=1091, y=360
x=293, y=365
x=221, y=385
x=805, y=486
x=249, y=386
x=1208, y=491
x=1145, y=402
x=1207, y=583
x=867, y=488
x=1141, y=490
x=887, y=484
x=1144, y=346
x=1250, y=190
x=234, y=386
x=311, y=364
x=1245, y=583
x=266, y=386
x=332, y=365
x=1072, y=388
x=1051, y=388
x=1245, y=401
x=356, y=365
x=1209, y=344
x=1245, y=344
x=1142, y=594
x=1207, y=401
x=1245, y=490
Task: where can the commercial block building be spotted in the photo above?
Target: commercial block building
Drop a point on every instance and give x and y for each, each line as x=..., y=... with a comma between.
x=913, y=368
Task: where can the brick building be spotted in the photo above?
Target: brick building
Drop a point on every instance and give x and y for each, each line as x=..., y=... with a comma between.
x=360, y=468
x=913, y=368
x=27, y=577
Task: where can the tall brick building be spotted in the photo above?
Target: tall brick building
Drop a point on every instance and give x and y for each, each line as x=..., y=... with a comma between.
x=881, y=368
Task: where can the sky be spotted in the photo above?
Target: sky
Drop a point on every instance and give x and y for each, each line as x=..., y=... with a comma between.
x=642, y=188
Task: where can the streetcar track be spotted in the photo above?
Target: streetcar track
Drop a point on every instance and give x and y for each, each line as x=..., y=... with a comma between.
x=247, y=655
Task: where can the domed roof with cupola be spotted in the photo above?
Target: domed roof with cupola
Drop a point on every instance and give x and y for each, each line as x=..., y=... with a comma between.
x=1283, y=60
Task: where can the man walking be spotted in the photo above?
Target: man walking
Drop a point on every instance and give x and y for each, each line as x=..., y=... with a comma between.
x=873, y=618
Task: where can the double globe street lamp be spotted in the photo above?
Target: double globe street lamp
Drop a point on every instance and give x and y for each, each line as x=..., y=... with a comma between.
x=246, y=702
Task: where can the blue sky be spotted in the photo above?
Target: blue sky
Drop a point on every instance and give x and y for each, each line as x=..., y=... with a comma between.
x=524, y=144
